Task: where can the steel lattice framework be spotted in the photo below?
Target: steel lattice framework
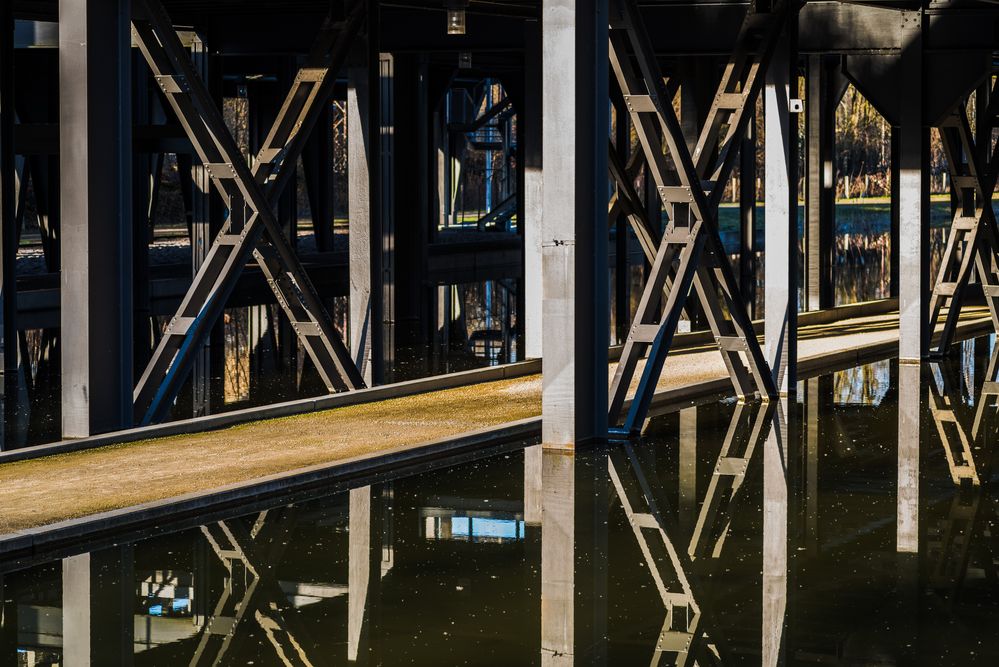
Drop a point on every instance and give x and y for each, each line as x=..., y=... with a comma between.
x=973, y=242
x=250, y=194
x=691, y=196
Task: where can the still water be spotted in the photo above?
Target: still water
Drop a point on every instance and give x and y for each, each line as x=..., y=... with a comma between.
x=731, y=534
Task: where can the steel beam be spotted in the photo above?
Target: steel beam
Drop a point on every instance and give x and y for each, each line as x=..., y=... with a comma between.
x=95, y=183
x=8, y=196
x=530, y=128
x=363, y=203
x=913, y=196
x=747, y=217
x=574, y=232
x=820, y=183
x=781, y=208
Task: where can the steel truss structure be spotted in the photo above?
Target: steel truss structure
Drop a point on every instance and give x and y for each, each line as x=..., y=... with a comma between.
x=250, y=591
x=683, y=639
x=691, y=194
x=973, y=242
x=950, y=548
x=250, y=195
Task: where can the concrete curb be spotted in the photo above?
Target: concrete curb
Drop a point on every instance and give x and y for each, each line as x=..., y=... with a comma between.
x=193, y=507
x=383, y=392
x=30, y=542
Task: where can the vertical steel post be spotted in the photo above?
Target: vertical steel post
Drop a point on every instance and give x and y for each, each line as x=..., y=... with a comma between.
x=820, y=128
x=8, y=196
x=622, y=273
x=747, y=217
x=894, y=173
x=913, y=196
x=781, y=208
x=529, y=126
x=574, y=231
x=363, y=203
x=95, y=168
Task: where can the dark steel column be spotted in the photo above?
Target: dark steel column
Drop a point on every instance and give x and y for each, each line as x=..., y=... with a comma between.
x=747, y=218
x=8, y=196
x=820, y=132
x=893, y=172
x=622, y=293
x=96, y=174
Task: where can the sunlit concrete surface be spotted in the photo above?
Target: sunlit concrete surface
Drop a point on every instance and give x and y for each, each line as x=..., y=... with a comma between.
x=43, y=491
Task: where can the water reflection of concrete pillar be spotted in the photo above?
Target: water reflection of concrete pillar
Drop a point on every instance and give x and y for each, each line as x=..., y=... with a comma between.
x=573, y=558
x=775, y=534
x=817, y=391
x=364, y=558
x=909, y=395
x=98, y=600
x=688, y=469
x=532, y=485
x=8, y=626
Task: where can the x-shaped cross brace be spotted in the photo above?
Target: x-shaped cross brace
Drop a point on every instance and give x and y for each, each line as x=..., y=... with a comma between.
x=250, y=193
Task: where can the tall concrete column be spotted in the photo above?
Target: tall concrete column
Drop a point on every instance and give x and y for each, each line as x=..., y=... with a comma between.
x=909, y=398
x=95, y=163
x=574, y=233
x=913, y=196
x=532, y=193
x=781, y=211
x=364, y=205
x=820, y=185
x=98, y=602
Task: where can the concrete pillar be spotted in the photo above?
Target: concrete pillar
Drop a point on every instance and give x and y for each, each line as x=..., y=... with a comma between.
x=531, y=138
x=913, y=196
x=95, y=167
x=364, y=572
x=574, y=233
x=909, y=398
x=532, y=485
x=820, y=185
x=775, y=536
x=8, y=196
x=364, y=206
x=98, y=602
x=747, y=218
x=574, y=552
x=781, y=211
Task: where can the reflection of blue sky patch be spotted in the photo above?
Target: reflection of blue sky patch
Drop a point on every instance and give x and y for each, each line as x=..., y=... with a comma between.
x=181, y=604
x=156, y=610
x=509, y=529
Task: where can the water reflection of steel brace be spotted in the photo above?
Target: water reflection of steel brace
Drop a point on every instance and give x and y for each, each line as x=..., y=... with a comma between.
x=949, y=549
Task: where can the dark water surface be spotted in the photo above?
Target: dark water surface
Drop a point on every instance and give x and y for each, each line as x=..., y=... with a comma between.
x=733, y=534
